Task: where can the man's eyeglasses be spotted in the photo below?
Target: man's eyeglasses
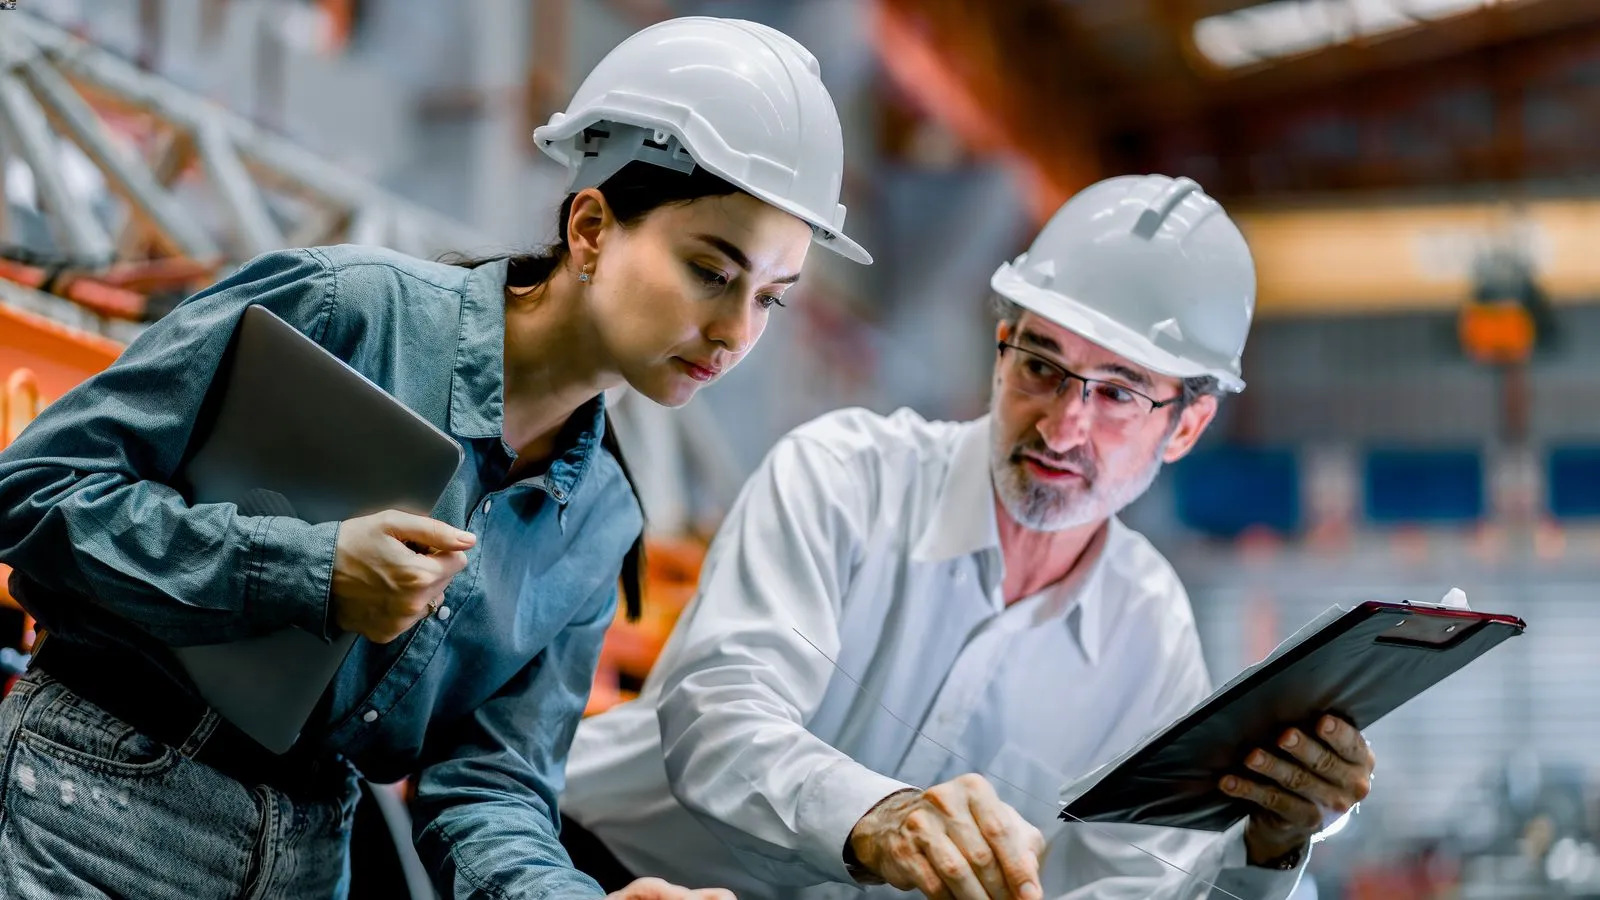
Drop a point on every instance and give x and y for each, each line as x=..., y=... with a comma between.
x=1039, y=376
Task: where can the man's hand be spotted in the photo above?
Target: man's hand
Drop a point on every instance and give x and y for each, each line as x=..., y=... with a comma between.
x=656, y=889
x=954, y=841
x=391, y=569
x=1303, y=787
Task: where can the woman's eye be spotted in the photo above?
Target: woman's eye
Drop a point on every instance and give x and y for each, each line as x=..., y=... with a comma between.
x=709, y=276
x=768, y=301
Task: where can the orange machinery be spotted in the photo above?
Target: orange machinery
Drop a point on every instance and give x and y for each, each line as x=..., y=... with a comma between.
x=40, y=360
x=672, y=572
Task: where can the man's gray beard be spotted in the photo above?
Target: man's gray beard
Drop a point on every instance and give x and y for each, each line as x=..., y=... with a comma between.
x=1039, y=507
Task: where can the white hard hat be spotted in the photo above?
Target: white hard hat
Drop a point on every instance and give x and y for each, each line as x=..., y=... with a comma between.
x=741, y=100
x=1147, y=266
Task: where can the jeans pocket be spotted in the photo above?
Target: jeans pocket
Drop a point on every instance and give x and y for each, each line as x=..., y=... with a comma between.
x=12, y=708
x=65, y=726
x=78, y=824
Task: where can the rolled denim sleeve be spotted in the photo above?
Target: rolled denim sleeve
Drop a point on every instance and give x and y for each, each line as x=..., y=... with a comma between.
x=486, y=812
x=90, y=522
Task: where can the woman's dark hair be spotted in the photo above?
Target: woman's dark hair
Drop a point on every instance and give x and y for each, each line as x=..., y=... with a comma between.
x=638, y=189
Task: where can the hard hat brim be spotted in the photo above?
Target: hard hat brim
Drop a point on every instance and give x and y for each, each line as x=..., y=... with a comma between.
x=552, y=138
x=1102, y=330
x=821, y=233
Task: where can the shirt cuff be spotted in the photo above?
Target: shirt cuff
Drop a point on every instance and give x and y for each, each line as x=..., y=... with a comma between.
x=1248, y=882
x=291, y=575
x=831, y=803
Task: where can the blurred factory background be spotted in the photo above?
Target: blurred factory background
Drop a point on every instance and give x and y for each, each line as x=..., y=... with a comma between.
x=1419, y=180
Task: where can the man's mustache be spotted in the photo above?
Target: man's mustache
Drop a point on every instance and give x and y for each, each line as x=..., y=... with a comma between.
x=1078, y=459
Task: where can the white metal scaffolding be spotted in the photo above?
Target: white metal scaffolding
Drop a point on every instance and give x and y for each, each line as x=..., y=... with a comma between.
x=271, y=192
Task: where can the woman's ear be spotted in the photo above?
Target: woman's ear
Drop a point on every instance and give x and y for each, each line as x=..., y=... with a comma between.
x=587, y=225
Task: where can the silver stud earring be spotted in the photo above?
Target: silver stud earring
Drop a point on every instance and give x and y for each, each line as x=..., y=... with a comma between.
x=583, y=276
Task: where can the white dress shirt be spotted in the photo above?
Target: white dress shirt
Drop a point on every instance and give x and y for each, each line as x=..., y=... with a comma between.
x=872, y=541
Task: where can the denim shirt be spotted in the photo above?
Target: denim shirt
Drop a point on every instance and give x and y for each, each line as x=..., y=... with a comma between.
x=481, y=699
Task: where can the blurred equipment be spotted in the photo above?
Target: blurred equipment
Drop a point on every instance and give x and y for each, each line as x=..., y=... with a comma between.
x=1500, y=324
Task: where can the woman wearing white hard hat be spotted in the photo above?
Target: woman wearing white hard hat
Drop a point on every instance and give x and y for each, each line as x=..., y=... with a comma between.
x=706, y=157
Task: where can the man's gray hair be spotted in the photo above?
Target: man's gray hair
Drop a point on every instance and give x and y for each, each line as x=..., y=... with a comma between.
x=1009, y=312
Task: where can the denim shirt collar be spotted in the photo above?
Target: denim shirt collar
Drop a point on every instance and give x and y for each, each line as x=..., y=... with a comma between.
x=477, y=385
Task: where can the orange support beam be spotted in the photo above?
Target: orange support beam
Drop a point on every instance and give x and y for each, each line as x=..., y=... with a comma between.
x=956, y=60
x=59, y=357
x=95, y=295
x=41, y=360
x=340, y=15
x=19, y=404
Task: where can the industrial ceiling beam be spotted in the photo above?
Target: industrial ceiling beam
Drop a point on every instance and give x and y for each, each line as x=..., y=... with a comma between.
x=1406, y=135
x=1210, y=89
x=959, y=62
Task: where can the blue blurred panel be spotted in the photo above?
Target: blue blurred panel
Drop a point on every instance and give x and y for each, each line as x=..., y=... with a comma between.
x=1423, y=486
x=1572, y=482
x=1225, y=490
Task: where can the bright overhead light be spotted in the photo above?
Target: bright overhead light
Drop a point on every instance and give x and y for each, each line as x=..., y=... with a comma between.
x=1281, y=28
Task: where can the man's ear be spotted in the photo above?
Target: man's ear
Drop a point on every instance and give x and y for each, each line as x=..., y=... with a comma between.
x=1192, y=423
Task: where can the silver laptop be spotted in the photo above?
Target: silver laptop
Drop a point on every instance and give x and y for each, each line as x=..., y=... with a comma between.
x=289, y=429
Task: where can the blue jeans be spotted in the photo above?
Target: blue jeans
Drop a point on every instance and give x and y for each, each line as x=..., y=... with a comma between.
x=91, y=808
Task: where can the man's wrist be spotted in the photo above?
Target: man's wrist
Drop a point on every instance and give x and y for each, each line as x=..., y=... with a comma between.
x=852, y=862
x=1286, y=861
x=858, y=871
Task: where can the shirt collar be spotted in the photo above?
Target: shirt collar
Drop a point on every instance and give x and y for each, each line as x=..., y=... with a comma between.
x=963, y=522
x=581, y=438
x=477, y=384
x=1087, y=591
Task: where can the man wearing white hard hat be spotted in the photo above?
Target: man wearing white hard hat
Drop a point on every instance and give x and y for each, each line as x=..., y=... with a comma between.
x=884, y=576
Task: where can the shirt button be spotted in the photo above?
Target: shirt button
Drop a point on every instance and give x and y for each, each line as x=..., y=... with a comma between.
x=961, y=576
x=487, y=504
x=444, y=613
x=558, y=494
x=369, y=716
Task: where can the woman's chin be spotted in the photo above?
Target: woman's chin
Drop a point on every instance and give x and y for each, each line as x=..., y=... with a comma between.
x=672, y=391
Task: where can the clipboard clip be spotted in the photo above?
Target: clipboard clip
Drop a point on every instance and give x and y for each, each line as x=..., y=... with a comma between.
x=1430, y=630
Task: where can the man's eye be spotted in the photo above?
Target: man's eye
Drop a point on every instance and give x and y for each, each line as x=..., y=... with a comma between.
x=1114, y=393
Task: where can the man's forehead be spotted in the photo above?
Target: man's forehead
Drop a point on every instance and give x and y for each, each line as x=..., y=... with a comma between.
x=1075, y=349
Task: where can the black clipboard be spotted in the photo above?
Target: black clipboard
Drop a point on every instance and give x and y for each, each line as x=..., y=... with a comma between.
x=1360, y=667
